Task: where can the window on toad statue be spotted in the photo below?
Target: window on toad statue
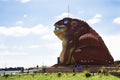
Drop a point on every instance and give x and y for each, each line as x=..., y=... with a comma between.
x=91, y=61
x=88, y=61
x=85, y=61
x=81, y=60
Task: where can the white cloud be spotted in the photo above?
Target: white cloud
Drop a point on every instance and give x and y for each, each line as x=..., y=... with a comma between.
x=112, y=43
x=12, y=53
x=54, y=46
x=33, y=46
x=2, y=46
x=98, y=16
x=23, y=31
x=16, y=47
x=19, y=22
x=49, y=36
x=14, y=31
x=117, y=20
x=81, y=12
x=39, y=29
x=63, y=15
x=25, y=15
x=95, y=19
x=23, y=1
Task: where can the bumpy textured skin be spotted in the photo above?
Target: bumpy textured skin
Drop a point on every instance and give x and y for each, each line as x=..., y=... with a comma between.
x=81, y=44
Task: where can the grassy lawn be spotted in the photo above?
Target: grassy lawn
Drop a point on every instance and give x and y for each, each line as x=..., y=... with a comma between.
x=55, y=76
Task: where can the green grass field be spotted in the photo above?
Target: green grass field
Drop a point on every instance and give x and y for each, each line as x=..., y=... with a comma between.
x=55, y=76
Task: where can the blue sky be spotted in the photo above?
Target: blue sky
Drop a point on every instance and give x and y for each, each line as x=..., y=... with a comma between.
x=26, y=28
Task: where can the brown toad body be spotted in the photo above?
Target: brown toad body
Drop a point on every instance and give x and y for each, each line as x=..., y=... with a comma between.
x=81, y=44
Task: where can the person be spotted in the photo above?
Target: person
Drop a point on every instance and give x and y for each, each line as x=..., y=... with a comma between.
x=79, y=68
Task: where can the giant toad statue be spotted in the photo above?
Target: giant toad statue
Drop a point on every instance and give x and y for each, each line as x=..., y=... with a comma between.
x=81, y=44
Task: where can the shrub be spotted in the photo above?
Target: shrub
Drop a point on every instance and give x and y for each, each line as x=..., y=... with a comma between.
x=104, y=71
x=6, y=75
x=74, y=74
x=59, y=74
x=46, y=74
x=87, y=74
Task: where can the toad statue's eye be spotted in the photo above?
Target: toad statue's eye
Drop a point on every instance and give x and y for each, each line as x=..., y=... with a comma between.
x=65, y=22
x=58, y=28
